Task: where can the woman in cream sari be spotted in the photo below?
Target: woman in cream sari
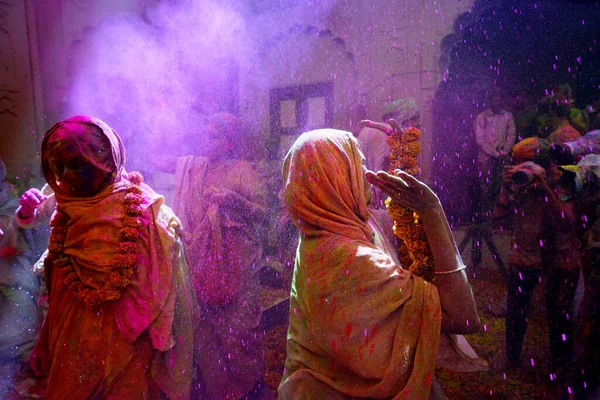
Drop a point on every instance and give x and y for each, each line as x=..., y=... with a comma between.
x=360, y=325
x=220, y=202
x=119, y=316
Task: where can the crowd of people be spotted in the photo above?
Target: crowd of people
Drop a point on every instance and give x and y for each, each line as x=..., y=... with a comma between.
x=109, y=292
x=524, y=190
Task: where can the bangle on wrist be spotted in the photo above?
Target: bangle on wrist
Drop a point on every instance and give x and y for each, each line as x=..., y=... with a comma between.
x=452, y=271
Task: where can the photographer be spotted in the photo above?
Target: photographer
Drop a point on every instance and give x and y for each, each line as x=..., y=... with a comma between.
x=543, y=243
x=581, y=183
x=572, y=152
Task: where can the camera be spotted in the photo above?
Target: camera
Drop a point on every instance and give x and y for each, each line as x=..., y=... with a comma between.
x=523, y=174
x=580, y=166
x=571, y=152
x=522, y=178
x=582, y=180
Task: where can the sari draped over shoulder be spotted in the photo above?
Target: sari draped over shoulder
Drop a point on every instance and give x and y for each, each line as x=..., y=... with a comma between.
x=139, y=346
x=360, y=325
x=223, y=249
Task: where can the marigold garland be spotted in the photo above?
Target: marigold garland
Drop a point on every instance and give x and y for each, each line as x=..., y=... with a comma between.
x=404, y=149
x=123, y=264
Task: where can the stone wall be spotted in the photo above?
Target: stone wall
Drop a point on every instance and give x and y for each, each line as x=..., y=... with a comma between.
x=20, y=92
x=373, y=51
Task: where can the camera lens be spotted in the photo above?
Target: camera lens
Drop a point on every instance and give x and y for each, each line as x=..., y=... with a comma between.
x=560, y=155
x=522, y=178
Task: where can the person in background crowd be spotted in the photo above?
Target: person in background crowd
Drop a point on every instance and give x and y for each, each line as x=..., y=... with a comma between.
x=495, y=135
x=373, y=141
x=20, y=316
x=562, y=95
x=525, y=115
x=544, y=242
x=220, y=202
x=581, y=184
x=558, y=129
x=119, y=319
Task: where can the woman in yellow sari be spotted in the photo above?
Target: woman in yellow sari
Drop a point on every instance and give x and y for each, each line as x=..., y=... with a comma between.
x=360, y=325
x=119, y=309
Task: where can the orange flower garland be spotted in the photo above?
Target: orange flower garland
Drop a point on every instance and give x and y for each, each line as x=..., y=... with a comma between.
x=404, y=149
x=122, y=266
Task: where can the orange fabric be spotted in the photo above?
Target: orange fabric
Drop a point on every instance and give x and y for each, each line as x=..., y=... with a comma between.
x=564, y=133
x=530, y=148
x=360, y=325
x=86, y=351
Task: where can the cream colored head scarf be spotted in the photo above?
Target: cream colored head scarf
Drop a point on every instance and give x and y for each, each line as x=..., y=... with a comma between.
x=324, y=185
x=360, y=325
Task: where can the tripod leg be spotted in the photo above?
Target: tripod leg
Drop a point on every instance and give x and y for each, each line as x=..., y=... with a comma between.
x=499, y=263
x=463, y=243
x=476, y=249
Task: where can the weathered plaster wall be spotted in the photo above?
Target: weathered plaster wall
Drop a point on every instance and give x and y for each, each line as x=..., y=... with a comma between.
x=377, y=51
x=60, y=24
x=394, y=44
x=20, y=97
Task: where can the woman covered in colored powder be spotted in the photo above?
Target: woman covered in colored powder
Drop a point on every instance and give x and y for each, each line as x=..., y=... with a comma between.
x=119, y=311
x=220, y=202
x=360, y=325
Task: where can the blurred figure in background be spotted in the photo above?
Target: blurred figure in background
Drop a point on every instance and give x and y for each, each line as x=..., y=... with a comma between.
x=558, y=128
x=495, y=135
x=580, y=183
x=20, y=316
x=220, y=202
x=562, y=95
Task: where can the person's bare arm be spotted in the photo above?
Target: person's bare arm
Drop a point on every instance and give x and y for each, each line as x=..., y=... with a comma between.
x=458, y=304
x=459, y=311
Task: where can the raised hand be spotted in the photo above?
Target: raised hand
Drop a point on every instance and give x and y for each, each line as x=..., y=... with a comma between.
x=406, y=190
x=29, y=201
x=389, y=129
